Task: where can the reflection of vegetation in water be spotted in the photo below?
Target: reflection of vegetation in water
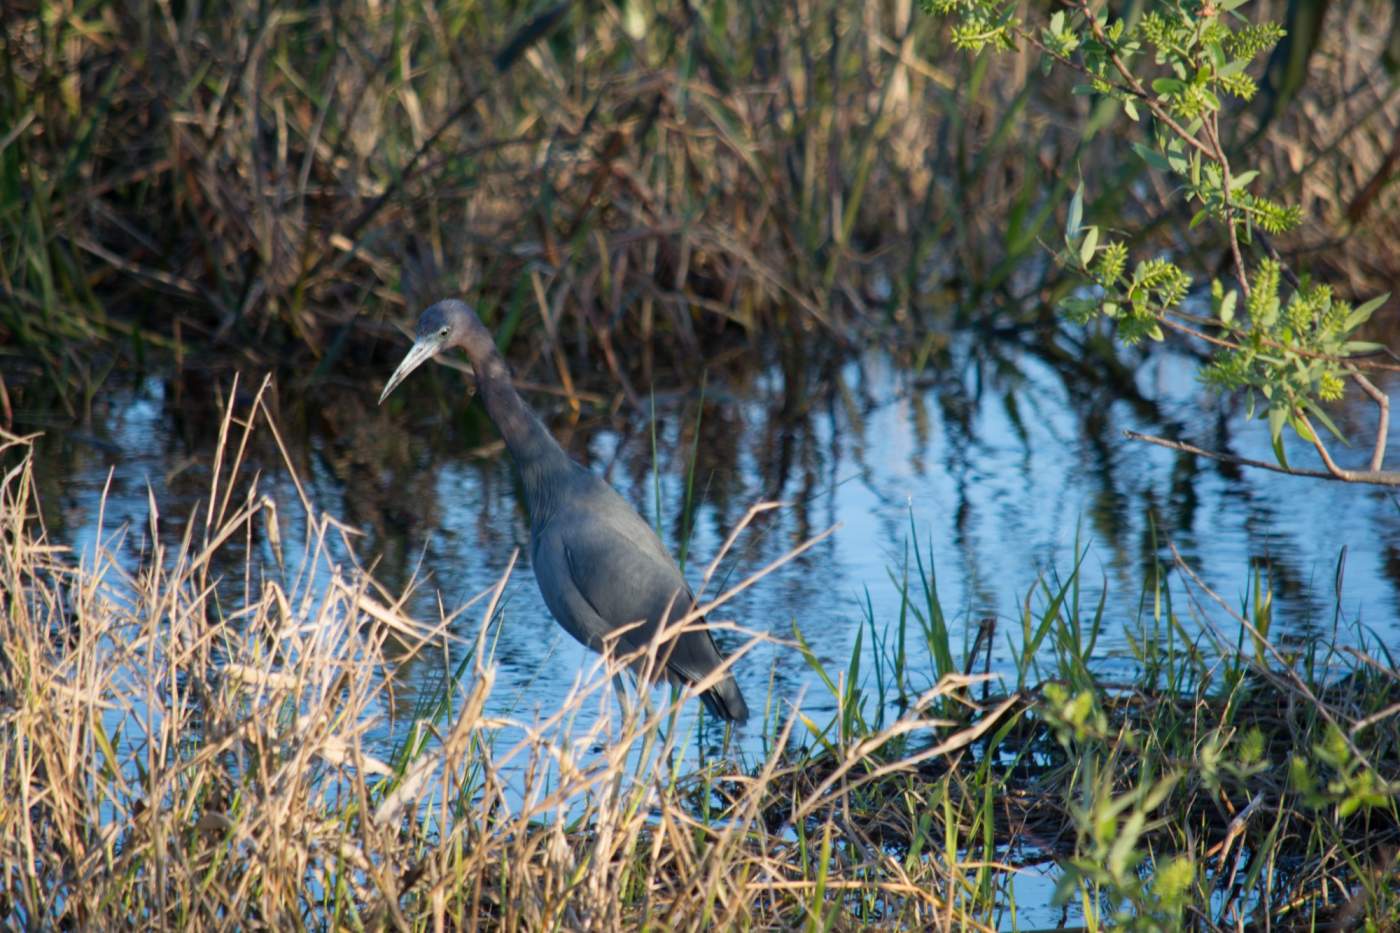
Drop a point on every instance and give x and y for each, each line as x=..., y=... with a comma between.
x=681, y=180
x=424, y=484
x=629, y=192
x=171, y=766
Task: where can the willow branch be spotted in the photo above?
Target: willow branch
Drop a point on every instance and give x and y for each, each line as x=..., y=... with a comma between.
x=1212, y=131
x=1133, y=88
x=1379, y=478
x=1375, y=477
x=1358, y=362
x=1222, y=457
x=1383, y=427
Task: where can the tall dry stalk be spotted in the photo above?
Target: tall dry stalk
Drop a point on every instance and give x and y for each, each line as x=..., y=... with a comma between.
x=181, y=750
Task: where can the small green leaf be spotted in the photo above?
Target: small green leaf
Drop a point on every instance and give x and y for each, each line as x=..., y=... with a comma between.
x=1353, y=347
x=1086, y=249
x=104, y=743
x=1300, y=776
x=1321, y=416
x=1176, y=157
x=1158, y=795
x=1300, y=428
x=1243, y=178
x=1152, y=157
x=1122, y=856
x=1076, y=215
x=1227, y=306
x=1363, y=314
x=1168, y=86
x=1067, y=887
x=1130, y=109
x=1278, y=417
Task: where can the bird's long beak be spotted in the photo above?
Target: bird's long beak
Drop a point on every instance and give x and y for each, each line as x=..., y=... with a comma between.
x=423, y=349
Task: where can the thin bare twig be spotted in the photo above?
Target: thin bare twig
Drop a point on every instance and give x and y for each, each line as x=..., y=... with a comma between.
x=1376, y=477
x=1383, y=424
x=1333, y=472
x=1189, y=448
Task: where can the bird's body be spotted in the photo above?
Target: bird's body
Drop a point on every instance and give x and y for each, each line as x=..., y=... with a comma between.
x=600, y=567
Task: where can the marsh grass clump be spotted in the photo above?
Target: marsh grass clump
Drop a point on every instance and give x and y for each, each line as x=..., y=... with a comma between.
x=1228, y=781
x=208, y=734
x=659, y=175
x=184, y=749
x=279, y=182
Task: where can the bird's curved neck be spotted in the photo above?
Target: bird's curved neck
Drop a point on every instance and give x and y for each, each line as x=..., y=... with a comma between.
x=537, y=454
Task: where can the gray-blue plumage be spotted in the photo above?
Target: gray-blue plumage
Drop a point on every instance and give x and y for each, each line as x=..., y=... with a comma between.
x=599, y=565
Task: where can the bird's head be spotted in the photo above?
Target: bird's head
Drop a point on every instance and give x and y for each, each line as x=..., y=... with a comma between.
x=441, y=327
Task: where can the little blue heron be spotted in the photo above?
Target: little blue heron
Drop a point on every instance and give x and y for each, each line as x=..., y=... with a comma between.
x=599, y=565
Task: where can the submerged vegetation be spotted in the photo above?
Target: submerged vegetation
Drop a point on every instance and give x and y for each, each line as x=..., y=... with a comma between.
x=185, y=747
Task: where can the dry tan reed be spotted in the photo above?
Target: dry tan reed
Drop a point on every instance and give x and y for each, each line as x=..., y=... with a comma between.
x=194, y=738
x=181, y=751
x=638, y=179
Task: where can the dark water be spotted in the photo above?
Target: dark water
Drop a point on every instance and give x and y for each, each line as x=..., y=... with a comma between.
x=999, y=475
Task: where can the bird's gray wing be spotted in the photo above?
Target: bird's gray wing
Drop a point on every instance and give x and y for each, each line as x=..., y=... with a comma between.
x=565, y=601
x=608, y=571
x=601, y=568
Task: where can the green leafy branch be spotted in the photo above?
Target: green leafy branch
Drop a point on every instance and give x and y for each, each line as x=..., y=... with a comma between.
x=1294, y=354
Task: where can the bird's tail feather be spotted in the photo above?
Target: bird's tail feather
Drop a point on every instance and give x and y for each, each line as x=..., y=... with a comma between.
x=725, y=701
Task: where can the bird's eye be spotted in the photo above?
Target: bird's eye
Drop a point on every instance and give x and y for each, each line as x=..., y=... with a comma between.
x=443, y=332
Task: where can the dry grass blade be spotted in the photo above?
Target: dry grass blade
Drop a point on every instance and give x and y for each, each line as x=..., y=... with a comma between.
x=210, y=773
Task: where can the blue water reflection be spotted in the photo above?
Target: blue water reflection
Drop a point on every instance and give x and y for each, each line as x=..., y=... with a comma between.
x=1001, y=479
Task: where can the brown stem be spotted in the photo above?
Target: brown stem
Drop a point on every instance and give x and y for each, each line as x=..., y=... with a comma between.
x=1376, y=477
x=1187, y=448
x=1136, y=86
x=1211, y=148
x=1199, y=335
x=1133, y=87
x=1265, y=342
x=1383, y=427
x=1212, y=128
